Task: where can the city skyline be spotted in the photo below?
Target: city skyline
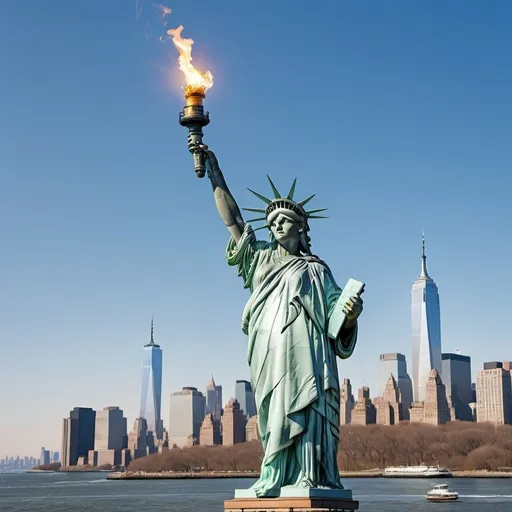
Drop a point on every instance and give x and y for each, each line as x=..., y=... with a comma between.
x=376, y=392
x=104, y=221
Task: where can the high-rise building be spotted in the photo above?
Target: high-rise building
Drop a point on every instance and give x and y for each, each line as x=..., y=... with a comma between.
x=110, y=437
x=233, y=423
x=426, y=330
x=45, y=456
x=151, y=395
x=65, y=447
x=494, y=394
x=214, y=400
x=389, y=408
x=364, y=412
x=209, y=434
x=139, y=440
x=186, y=415
x=245, y=397
x=457, y=380
x=437, y=410
x=110, y=430
x=346, y=402
x=252, y=432
x=395, y=364
x=77, y=435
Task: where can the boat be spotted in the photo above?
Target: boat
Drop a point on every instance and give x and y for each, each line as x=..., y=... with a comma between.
x=442, y=492
x=417, y=472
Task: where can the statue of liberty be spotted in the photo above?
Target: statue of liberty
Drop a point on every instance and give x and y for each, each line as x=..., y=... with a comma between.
x=292, y=357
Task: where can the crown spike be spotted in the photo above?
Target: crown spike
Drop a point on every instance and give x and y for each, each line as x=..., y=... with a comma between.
x=316, y=211
x=277, y=194
x=292, y=190
x=256, y=210
x=256, y=220
x=317, y=217
x=305, y=201
x=259, y=196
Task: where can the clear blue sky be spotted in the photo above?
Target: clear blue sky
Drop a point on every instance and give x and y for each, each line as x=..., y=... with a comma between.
x=397, y=114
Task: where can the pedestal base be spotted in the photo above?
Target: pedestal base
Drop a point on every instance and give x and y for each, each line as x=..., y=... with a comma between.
x=293, y=500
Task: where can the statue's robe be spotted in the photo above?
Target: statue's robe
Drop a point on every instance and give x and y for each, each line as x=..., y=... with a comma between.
x=293, y=362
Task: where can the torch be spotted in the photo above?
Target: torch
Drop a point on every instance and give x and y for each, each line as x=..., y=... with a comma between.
x=193, y=117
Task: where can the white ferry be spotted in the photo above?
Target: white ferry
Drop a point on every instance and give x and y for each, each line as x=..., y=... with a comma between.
x=442, y=493
x=417, y=472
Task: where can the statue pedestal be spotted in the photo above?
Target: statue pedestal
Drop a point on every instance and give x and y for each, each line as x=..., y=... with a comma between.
x=293, y=500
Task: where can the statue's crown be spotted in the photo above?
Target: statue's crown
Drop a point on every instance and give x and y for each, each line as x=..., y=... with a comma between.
x=285, y=205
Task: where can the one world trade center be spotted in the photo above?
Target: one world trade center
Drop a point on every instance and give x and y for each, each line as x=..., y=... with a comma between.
x=151, y=395
x=426, y=330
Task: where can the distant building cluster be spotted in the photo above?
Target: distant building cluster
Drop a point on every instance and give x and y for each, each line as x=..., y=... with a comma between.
x=99, y=438
x=24, y=463
x=195, y=418
x=438, y=390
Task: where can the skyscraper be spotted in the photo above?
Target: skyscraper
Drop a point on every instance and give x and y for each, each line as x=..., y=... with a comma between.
x=426, y=330
x=457, y=379
x=151, y=395
x=494, y=394
x=139, y=441
x=209, y=433
x=364, y=412
x=346, y=402
x=45, y=456
x=245, y=397
x=437, y=411
x=110, y=430
x=214, y=400
x=77, y=435
x=110, y=437
x=233, y=424
x=389, y=407
x=396, y=365
x=186, y=415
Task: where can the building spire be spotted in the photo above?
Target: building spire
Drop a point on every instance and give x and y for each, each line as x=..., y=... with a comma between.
x=424, y=272
x=152, y=342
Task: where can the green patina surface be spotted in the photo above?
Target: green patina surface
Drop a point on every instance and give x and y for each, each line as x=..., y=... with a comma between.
x=292, y=361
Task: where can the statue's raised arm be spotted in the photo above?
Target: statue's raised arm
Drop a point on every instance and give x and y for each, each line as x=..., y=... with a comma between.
x=226, y=205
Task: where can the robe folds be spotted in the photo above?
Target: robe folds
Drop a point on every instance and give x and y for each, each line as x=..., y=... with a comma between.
x=292, y=362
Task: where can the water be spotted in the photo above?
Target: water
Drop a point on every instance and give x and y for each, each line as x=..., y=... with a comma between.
x=91, y=492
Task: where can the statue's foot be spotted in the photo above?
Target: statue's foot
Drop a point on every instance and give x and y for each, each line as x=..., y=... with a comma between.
x=262, y=491
x=306, y=484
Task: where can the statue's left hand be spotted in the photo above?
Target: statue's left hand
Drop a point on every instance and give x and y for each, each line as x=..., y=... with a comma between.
x=353, y=308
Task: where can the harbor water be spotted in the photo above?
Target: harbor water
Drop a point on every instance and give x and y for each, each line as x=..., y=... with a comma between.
x=92, y=492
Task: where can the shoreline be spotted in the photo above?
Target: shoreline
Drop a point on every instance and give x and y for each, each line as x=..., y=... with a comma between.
x=139, y=475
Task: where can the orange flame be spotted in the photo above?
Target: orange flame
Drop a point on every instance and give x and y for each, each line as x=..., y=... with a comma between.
x=195, y=79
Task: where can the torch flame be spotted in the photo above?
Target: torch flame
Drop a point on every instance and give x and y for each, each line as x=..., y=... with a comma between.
x=195, y=79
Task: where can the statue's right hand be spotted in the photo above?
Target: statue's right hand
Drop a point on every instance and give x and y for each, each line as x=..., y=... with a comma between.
x=194, y=147
x=210, y=157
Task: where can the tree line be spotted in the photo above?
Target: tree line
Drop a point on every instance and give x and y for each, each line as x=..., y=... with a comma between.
x=456, y=445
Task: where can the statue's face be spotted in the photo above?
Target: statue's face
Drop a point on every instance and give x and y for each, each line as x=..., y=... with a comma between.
x=284, y=229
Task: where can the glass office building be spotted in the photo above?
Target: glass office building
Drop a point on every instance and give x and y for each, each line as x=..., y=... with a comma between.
x=426, y=330
x=245, y=397
x=151, y=395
